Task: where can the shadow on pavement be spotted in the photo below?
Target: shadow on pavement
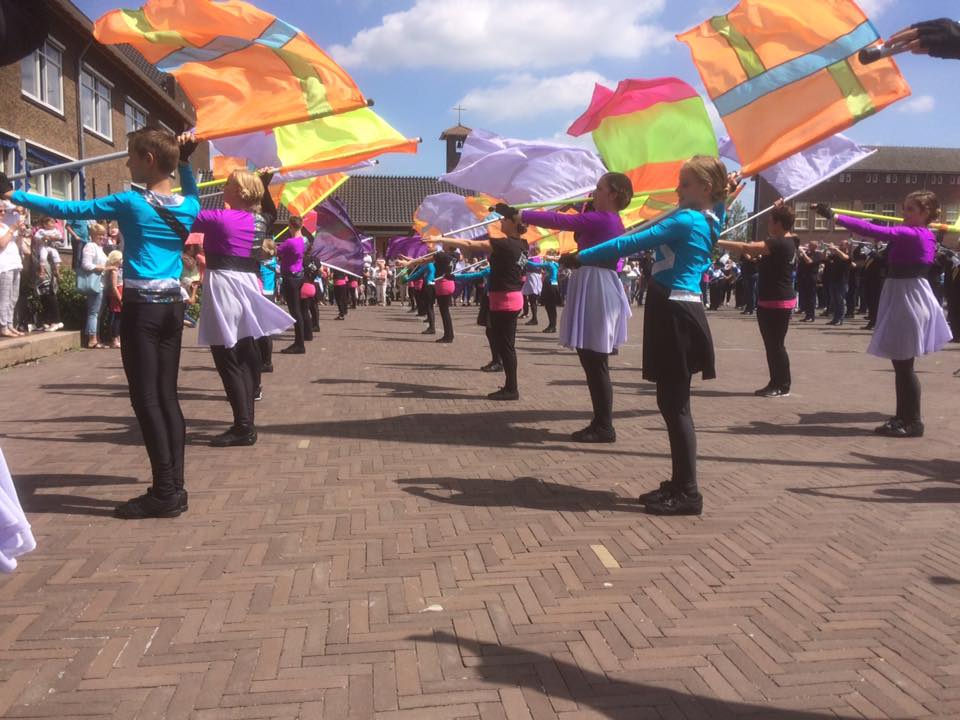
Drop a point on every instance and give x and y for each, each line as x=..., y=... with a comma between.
x=34, y=502
x=524, y=492
x=605, y=696
x=934, y=470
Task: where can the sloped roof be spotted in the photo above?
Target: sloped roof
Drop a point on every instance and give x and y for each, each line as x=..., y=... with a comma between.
x=369, y=199
x=458, y=130
x=911, y=160
x=390, y=199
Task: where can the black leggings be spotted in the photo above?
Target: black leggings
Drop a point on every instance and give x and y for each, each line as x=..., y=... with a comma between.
x=908, y=391
x=502, y=325
x=309, y=313
x=50, y=309
x=673, y=401
x=531, y=300
x=291, y=295
x=428, y=295
x=443, y=304
x=265, y=346
x=239, y=369
x=597, y=369
x=551, y=306
x=774, y=324
x=150, y=349
x=340, y=293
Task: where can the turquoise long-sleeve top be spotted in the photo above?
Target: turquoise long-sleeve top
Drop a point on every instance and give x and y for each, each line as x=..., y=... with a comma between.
x=551, y=270
x=474, y=276
x=426, y=272
x=683, y=245
x=151, y=249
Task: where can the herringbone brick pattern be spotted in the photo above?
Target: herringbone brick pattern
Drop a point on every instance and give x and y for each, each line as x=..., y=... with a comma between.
x=396, y=546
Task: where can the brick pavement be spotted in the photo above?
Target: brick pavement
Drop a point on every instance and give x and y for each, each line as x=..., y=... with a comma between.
x=396, y=546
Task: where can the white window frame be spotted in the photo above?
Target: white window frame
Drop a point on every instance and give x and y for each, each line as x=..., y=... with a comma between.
x=892, y=178
x=820, y=223
x=950, y=213
x=128, y=104
x=97, y=78
x=889, y=209
x=39, y=58
x=801, y=220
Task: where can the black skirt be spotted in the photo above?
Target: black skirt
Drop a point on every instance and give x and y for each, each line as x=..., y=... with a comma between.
x=676, y=338
x=550, y=295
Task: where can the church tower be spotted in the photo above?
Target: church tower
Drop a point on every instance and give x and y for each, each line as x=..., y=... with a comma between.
x=454, y=137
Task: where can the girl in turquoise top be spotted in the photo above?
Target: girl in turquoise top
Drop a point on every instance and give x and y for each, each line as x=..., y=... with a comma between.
x=676, y=337
x=155, y=224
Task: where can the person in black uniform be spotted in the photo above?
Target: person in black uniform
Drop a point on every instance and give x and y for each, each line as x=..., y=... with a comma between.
x=836, y=275
x=808, y=269
x=748, y=276
x=776, y=297
x=874, y=273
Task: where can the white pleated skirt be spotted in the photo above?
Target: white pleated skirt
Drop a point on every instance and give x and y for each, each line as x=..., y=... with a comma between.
x=910, y=321
x=596, y=311
x=16, y=538
x=233, y=307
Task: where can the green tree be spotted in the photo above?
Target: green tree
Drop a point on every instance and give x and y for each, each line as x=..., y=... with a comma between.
x=737, y=213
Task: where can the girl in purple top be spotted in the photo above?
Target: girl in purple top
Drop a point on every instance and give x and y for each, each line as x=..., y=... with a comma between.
x=234, y=314
x=594, y=320
x=910, y=321
x=290, y=253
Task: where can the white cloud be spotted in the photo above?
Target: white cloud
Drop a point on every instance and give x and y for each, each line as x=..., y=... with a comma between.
x=524, y=96
x=873, y=8
x=501, y=34
x=919, y=104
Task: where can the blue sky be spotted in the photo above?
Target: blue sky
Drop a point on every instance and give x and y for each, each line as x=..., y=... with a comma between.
x=526, y=68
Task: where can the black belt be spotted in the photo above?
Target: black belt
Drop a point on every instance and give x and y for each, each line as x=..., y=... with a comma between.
x=907, y=272
x=233, y=262
x=137, y=295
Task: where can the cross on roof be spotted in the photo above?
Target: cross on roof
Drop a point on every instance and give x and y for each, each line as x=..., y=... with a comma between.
x=460, y=111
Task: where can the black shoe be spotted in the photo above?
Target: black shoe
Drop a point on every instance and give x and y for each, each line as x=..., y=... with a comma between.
x=267, y=368
x=595, y=434
x=763, y=391
x=532, y=322
x=149, y=506
x=677, y=504
x=492, y=367
x=444, y=340
x=891, y=424
x=869, y=326
x=182, y=498
x=429, y=331
x=550, y=329
x=658, y=495
x=897, y=428
x=258, y=395
x=235, y=437
x=293, y=350
x=340, y=317
x=771, y=392
x=504, y=394
x=833, y=322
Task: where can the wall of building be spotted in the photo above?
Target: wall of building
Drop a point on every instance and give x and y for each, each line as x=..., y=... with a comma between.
x=24, y=118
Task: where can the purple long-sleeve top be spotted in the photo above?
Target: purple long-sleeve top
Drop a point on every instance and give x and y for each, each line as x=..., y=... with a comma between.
x=290, y=252
x=908, y=244
x=589, y=228
x=231, y=233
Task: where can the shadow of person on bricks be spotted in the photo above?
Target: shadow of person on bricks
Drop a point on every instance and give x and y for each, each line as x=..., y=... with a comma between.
x=43, y=502
x=127, y=431
x=936, y=470
x=649, y=388
x=116, y=391
x=481, y=429
x=567, y=684
x=523, y=492
x=400, y=390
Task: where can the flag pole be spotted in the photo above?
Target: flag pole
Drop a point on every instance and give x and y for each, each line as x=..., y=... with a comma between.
x=312, y=206
x=581, y=199
x=72, y=165
x=469, y=267
x=340, y=269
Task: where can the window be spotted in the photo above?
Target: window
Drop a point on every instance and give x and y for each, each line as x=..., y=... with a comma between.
x=911, y=179
x=802, y=212
x=41, y=75
x=936, y=179
x=845, y=178
x=873, y=179
x=953, y=179
x=950, y=214
x=135, y=116
x=889, y=209
x=95, y=103
x=892, y=179
x=820, y=223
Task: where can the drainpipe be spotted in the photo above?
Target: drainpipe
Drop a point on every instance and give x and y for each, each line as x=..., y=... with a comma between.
x=80, y=137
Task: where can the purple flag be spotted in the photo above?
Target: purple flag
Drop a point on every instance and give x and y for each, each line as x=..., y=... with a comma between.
x=367, y=245
x=337, y=243
x=411, y=246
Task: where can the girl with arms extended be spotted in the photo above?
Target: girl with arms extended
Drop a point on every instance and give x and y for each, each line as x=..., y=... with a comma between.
x=676, y=338
x=909, y=321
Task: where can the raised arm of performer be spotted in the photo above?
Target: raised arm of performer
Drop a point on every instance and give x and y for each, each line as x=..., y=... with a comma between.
x=155, y=224
x=937, y=38
x=910, y=320
x=676, y=337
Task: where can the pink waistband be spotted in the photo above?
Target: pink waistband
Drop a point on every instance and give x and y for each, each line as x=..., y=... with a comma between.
x=339, y=283
x=445, y=287
x=778, y=304
x=506, y=301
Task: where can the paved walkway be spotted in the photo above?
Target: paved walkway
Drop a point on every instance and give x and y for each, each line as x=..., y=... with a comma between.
x=396, y=546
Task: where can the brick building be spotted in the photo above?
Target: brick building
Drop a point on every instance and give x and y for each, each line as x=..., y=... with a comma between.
x=877, y=184
x=74, y=99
